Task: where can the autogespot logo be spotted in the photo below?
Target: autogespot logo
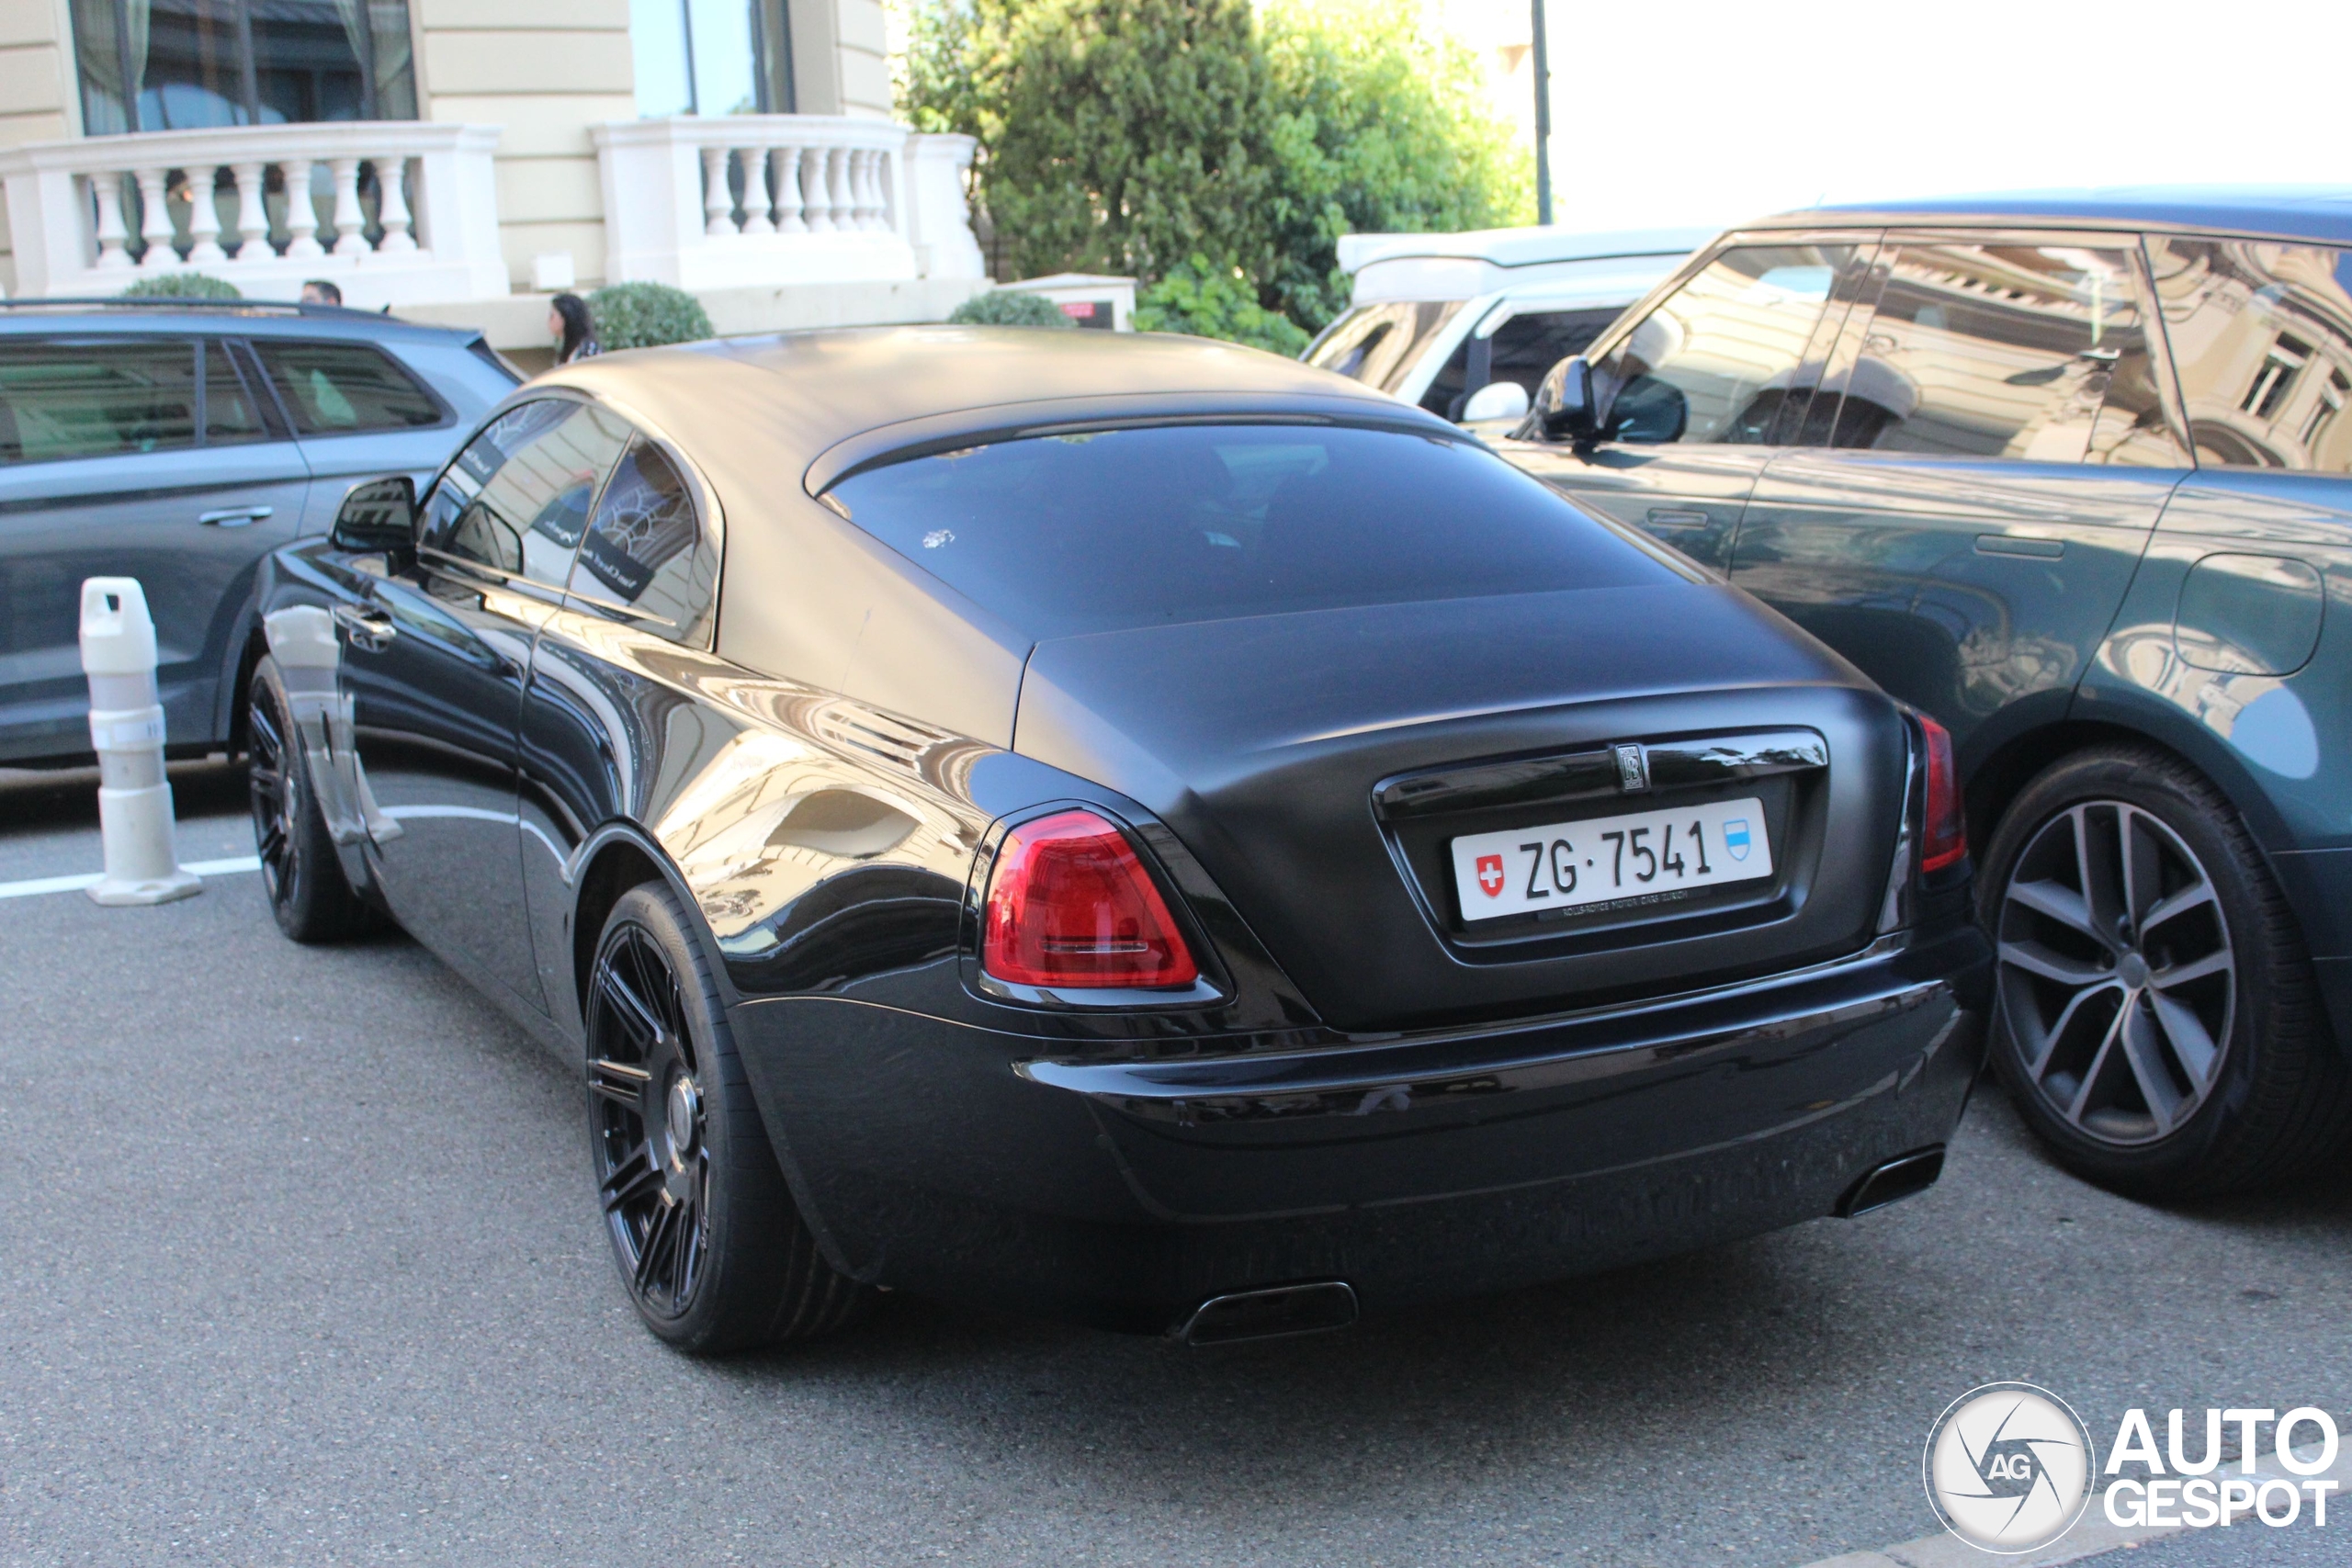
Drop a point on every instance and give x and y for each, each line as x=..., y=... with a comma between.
x=2008, y=1467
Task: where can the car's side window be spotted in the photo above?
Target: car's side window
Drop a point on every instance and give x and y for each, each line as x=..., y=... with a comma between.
x=2007, y=350
x=230, y=414
x=1714, y=361
x=516, y=498
x=1380, y=345
x=649, y=551
x=1529, y=344
x=345, y=389
x=1521, y=350
x=97, y=397
x=2261, y=336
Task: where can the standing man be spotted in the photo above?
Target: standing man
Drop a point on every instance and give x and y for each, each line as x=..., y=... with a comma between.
x=319, y=291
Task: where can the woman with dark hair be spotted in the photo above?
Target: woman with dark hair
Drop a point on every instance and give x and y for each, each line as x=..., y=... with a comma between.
x=574, y=333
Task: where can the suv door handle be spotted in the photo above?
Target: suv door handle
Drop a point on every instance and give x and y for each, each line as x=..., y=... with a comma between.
x=1677, y=517
x=234, y=516
x=369, y=629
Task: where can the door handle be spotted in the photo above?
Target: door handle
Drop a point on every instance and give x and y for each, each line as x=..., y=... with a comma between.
x=234, y=516
x=2020, y=544
x=1677, y=517
x=367, y=629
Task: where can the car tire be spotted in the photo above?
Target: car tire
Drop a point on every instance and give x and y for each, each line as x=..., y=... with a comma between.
x=710, y=1245
x=2156, y=1020
x=308, y=895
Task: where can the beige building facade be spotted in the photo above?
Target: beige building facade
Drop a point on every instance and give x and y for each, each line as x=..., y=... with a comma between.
x=463, y=159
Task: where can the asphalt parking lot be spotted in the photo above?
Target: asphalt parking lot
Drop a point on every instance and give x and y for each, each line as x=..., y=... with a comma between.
x=301, y=1266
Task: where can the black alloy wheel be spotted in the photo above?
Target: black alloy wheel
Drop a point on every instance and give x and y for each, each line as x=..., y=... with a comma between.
x=709, y=1244
x=308, y=895
x=2158, y=1021
x=652, y=1147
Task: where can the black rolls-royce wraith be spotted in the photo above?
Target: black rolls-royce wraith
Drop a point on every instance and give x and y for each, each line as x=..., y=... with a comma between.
x=1128, y=828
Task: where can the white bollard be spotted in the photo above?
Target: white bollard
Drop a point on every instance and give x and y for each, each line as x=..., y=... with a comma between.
x=127, y=731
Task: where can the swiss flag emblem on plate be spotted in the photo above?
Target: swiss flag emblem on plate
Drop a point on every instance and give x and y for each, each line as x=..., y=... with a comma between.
x=1491, y=874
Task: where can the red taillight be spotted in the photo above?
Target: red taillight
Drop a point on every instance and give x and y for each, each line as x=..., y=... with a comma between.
x=1069, y=904
x=1944, y=838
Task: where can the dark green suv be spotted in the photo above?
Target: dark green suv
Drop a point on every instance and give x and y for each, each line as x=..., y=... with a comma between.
x=2073, y=473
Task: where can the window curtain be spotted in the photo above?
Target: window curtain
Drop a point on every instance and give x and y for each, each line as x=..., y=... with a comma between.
x=110, y=37
x=395, y=83
x=377, y=31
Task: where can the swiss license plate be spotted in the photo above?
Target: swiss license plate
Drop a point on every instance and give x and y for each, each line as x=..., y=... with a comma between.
x=1638, y=857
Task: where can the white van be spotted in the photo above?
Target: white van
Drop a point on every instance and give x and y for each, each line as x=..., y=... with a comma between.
x=1434, y=318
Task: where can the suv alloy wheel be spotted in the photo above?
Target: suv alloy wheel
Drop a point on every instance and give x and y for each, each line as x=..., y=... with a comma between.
x=2157, y=1023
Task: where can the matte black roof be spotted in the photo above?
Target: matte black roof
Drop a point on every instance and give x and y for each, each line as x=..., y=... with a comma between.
x=832, y=399
x=244, y=318
x=2322, y=214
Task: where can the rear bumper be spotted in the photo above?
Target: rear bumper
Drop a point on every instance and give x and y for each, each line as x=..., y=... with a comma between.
x=940, y=1157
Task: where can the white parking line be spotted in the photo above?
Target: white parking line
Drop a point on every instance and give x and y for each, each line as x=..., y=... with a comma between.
x=40, y=885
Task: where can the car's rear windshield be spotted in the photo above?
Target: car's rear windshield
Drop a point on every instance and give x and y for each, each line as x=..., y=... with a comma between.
x=1065, y=535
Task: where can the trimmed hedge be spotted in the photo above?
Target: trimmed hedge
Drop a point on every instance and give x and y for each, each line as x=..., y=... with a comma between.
x=1009, y=307
x=646, y=315
x=182, y=286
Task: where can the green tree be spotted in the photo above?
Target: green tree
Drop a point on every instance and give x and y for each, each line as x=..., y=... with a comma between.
x=1380, y=125
x=1137, y=136
x=1121, y=135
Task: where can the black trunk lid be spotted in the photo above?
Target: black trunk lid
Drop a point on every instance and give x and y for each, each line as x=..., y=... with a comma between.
x=1320, y=763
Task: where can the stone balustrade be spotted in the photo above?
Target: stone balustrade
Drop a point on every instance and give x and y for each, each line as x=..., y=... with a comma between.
x=393, y=211
x=741, y=200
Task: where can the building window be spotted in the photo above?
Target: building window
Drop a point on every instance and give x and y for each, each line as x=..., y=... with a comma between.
x=2332, y=397
x=182, y=64
x=2272, y=382
x=711, y=56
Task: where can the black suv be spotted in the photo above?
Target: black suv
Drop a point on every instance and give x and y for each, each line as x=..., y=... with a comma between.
x=180, y=443
x=2071, y=473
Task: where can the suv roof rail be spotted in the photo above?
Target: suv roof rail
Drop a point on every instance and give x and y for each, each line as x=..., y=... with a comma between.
x=149, y=302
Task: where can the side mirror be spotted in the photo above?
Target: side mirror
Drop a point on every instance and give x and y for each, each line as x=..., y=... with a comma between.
x=1564, y=409
x=1495, y=400
x=380, y=515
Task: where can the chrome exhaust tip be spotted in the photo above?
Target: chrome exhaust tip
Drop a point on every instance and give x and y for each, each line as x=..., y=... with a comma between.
x=1273, y=1314
x=1891, y=1183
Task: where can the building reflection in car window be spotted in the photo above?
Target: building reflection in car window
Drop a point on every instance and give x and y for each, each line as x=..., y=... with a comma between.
x=2261, y=337
x=646, y=550
x=516, y=498
x=2031, y=352
x=1712, y=363
x=1063, y=536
